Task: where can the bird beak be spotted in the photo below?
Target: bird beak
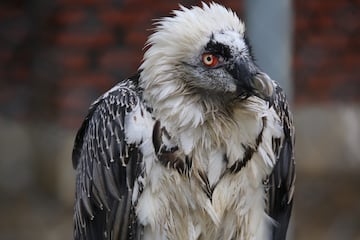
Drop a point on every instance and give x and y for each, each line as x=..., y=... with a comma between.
x=263, y=87
x=250, y=81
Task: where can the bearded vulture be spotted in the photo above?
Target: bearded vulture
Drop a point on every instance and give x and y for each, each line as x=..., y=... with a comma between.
x=197, y=145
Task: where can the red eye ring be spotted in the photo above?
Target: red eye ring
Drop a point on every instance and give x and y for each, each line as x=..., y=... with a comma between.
x=209, y=60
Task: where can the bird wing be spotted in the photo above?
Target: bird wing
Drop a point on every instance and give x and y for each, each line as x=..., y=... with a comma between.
x=107, y=166
x=280, y=184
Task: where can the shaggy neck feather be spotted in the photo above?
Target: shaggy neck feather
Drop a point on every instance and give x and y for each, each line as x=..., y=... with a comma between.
x=181, y=108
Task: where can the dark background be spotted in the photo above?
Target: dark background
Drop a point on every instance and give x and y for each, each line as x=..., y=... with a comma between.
x=56, y=57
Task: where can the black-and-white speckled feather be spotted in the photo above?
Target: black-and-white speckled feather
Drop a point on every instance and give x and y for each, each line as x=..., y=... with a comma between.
x=107, y=167
x=281, y=183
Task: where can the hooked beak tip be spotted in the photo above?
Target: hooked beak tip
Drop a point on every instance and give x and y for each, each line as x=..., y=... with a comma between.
x=263, y=87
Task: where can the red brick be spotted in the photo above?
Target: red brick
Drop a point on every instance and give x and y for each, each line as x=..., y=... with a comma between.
x=73, y=61
x=236, y=6
x=83, y=2
x=352, y=61
x=123, y=18
x=136, y=38
x=325, y=21
x=73, y=16
x=324, y=6
x=120, y=59
x=297, y=63
x=348, y=20
x=343, y=78
x=147, y=4
x=5, y=55
x=95, y=80
x=355, y=42
x=330, y=41
x=302, y=23
x=94, y=39
x=20, y=73
x=164, y=8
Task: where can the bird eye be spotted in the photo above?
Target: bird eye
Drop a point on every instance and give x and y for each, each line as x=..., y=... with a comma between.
x=209, y=60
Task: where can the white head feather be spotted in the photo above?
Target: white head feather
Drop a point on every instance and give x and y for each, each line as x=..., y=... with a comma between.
x=178, y=37
x=176, y=40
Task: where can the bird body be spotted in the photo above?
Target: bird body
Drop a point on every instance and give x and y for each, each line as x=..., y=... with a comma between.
x=198, y=145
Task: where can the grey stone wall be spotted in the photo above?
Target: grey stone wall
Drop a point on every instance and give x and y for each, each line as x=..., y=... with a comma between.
x=328, y=138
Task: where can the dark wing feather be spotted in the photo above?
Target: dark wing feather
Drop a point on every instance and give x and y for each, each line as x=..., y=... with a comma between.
x=106, y=168
x=281, y=181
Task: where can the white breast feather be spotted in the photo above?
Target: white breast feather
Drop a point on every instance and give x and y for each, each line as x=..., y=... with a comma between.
x=174, y=206
x=238, y=199
x=138, y=125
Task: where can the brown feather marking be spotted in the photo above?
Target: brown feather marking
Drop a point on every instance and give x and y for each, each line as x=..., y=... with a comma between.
x=205, y=184
x=249, y=150
x=167, y=157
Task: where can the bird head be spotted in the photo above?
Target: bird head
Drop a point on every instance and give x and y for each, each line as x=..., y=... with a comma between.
x=203, y=49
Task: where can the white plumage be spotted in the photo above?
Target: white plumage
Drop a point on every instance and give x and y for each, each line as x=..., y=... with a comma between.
x=186, y=150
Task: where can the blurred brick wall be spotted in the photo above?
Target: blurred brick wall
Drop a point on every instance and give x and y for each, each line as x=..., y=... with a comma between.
x=56, y=57
x=327, y=51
